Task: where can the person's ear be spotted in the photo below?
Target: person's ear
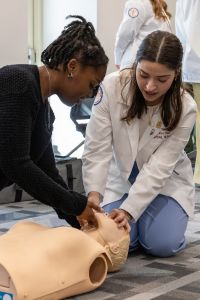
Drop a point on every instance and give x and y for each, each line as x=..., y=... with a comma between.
x=73, y=67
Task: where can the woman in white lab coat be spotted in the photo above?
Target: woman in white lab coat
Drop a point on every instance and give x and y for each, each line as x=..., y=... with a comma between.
x=134, y=149
x=188, y=30
x=140, y=18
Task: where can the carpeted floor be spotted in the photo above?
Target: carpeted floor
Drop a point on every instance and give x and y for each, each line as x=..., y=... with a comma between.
x=143, y=277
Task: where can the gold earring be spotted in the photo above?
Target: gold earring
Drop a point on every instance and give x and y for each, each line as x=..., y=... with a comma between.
x=69, y=75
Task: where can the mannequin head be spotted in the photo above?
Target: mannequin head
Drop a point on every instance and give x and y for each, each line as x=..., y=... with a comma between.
x=114, y=240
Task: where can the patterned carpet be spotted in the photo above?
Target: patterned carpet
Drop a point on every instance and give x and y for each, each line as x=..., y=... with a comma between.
x=143, y=277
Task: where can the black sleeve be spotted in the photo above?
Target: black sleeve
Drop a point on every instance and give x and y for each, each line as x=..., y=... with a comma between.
x=15, y=161
x=47, y=164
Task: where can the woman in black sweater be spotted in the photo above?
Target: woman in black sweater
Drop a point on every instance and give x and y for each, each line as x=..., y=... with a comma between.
x=74, y=64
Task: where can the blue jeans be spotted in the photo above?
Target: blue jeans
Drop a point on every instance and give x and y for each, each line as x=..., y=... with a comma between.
x=160, y=229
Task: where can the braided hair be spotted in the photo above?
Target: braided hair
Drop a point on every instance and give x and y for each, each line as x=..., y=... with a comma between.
x=77, y=40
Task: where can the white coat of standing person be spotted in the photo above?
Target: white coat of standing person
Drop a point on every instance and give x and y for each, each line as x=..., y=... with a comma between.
x=134, y=154
x=187, y=23
x=140, y=18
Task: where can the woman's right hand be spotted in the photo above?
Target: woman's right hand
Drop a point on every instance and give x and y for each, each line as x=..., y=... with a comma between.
x=87, y=217
x=94, y=197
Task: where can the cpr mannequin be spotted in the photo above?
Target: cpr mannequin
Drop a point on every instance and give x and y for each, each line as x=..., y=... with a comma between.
x=38, y=262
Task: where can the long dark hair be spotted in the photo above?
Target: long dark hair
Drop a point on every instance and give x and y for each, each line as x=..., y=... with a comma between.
x=166, y=49
x=77, y=40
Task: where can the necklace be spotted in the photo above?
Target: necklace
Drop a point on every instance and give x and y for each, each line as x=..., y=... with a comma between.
x=49, y=84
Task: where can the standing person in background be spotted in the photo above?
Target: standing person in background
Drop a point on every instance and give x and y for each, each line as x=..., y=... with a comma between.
x=187, y=23
x=74, y=65
x=134, y=154
x=141, y=17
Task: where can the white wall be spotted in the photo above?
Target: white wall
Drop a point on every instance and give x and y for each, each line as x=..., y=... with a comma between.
x=13, y=31
x=55, y=11
x=104, y=14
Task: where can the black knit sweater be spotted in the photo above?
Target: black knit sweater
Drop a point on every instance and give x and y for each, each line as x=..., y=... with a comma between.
x=26, y=155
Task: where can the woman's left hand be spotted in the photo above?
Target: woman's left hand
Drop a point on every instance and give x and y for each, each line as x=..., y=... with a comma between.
x=121, y=218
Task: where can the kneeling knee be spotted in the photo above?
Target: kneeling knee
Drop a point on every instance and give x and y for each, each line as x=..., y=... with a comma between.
x=161, y=251
x=162, y=248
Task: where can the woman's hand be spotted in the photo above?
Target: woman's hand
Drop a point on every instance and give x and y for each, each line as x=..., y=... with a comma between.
x=87, y=217
x=121, y=217
x=94, y=197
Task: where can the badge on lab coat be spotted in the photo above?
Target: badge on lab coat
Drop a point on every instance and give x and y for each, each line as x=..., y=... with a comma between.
x=133, y=12
x=99, y=96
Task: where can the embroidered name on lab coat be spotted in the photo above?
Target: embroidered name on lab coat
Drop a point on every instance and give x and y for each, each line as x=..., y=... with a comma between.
x=133, y=12
x=163, y=134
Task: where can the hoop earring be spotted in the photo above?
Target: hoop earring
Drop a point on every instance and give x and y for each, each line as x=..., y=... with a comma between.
x=70, y=75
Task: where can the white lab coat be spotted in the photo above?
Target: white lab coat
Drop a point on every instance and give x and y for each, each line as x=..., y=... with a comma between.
x=187, y=23
x=138, y=21
x=164, y=168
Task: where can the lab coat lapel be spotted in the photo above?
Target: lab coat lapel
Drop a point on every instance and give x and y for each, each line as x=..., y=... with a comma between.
x=132, y=128
x=133, y=134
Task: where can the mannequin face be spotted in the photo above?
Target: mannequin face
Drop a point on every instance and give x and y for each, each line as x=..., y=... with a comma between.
x=116, y=241
x=83, y=81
